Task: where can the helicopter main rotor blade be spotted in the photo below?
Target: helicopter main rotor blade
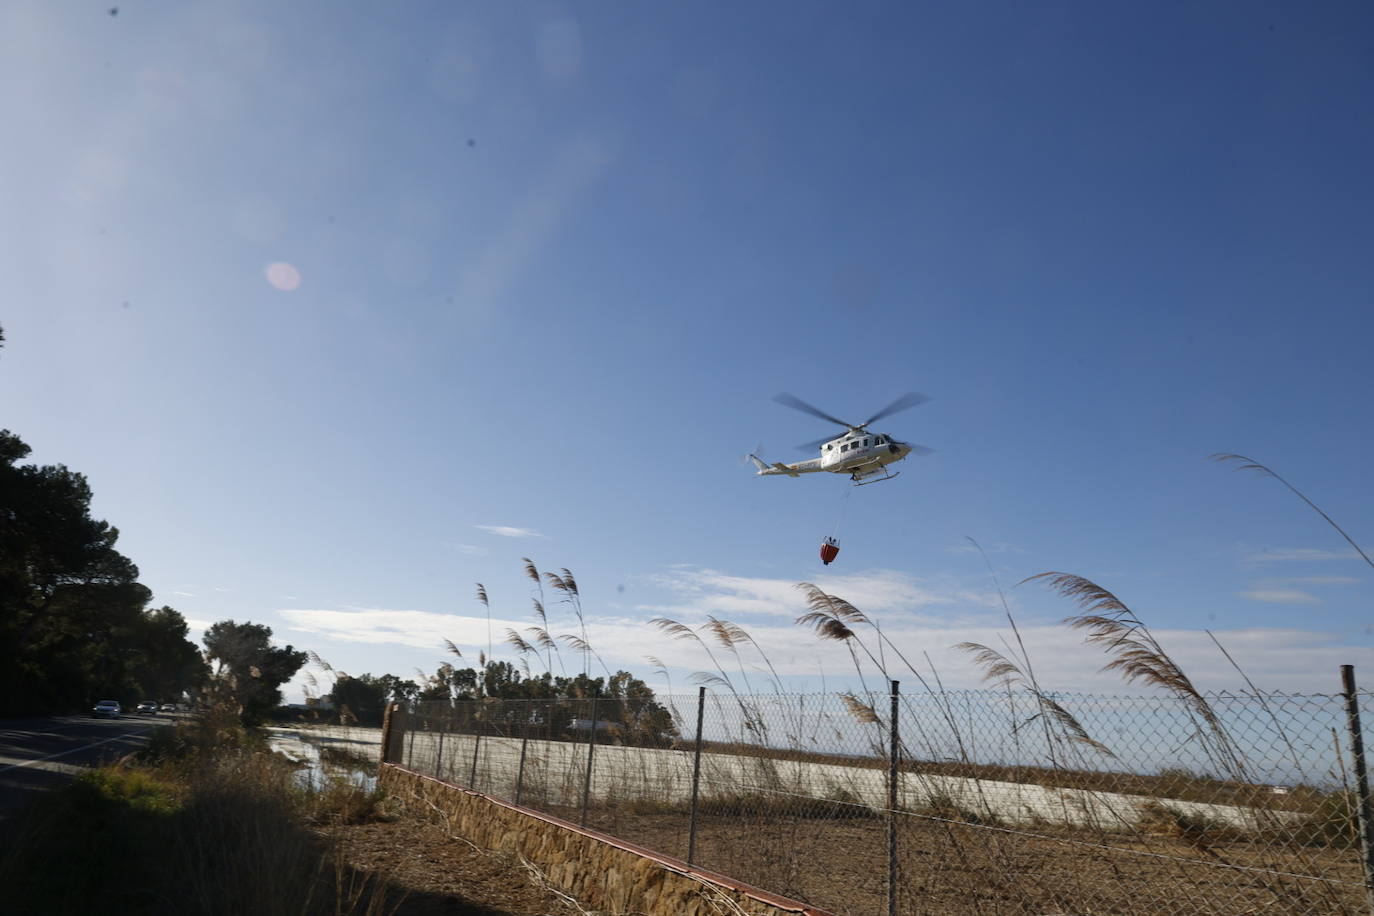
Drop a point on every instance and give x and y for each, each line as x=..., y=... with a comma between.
x=918, y=449
x=910, y=399
x=797, y=403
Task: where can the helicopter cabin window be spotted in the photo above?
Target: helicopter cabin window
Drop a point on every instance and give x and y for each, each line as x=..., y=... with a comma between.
x=865, y=442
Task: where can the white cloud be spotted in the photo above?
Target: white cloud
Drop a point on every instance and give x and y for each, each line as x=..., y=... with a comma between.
x=1316, y=580
x=1297, y=554
x=925, y=619
x=1282, y=591
x=1276, y=659
x=707, y=591
x=185, y=594
x=1291, y=659
x=1280, y=596
x=506, y=531
x=417, y=629
x=471, y=550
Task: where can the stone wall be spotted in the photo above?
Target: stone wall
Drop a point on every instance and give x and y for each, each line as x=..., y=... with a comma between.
x=602, y=872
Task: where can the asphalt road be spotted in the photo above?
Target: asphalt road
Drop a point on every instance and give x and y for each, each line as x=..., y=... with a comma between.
x=41, y=752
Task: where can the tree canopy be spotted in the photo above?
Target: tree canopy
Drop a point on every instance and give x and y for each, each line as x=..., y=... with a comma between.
x=362, y=699
x=249, y=670
x=626, y=701
x=72, y=611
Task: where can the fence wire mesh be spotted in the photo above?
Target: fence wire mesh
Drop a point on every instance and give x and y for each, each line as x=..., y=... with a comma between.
x=1005, y=801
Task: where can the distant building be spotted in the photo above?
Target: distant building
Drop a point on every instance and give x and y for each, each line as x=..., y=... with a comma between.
x=582, y=725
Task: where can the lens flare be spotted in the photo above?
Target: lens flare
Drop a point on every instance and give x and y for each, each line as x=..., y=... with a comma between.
x=283, y=276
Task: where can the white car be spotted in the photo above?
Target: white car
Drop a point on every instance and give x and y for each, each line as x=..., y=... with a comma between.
x=169, y=707
x=107, y=709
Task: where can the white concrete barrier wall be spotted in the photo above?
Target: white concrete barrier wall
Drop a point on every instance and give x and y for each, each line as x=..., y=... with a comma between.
x=555, y=772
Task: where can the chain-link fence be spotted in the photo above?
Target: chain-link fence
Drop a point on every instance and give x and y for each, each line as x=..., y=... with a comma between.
x=994, y=802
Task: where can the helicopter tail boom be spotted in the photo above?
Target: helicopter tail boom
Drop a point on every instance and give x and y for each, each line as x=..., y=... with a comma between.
x=777, y=467
x=766, y=469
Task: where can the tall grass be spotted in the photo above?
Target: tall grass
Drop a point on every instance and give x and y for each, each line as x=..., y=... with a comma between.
x=1214, y=840
x=1273, y=838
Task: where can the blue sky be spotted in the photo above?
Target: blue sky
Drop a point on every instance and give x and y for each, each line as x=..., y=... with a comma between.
x=345, y=308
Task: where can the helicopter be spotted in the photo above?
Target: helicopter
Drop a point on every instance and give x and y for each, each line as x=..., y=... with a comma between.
x=861, y=454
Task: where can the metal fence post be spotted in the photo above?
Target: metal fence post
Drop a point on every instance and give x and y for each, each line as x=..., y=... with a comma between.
x=439, y=755
x=893, y=774
x=524, y=744
x=410, y=748
x=1352, y=720
x=591, y=747
x=391, y=729
x=476, y=746
x=696, y=778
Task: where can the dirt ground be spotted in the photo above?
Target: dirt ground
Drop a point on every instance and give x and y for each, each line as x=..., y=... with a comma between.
x=429, y=873
x=945, y=868
x=955, y=869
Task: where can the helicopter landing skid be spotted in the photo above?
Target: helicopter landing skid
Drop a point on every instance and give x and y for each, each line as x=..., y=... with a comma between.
x=860, y=482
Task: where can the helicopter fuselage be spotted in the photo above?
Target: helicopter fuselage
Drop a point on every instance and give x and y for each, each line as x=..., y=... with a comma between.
x=861, y=450
x=857, y=453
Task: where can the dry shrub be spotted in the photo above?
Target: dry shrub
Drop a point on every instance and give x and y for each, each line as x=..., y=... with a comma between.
x=349, y=759
x=1334, y=823
x=1193, y=828
x=947, y=809
x=841, y=804
x=199, y=828
x=341, y=800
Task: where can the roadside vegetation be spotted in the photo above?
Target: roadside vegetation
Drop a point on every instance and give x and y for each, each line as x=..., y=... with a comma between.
x=206, y=819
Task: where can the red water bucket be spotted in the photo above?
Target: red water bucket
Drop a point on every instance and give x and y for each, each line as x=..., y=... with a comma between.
x=829, y=551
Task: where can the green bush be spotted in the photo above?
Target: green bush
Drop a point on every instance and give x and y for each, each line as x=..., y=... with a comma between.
x=96, y=844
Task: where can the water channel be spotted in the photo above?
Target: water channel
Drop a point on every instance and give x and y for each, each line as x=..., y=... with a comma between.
x=325, y=757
